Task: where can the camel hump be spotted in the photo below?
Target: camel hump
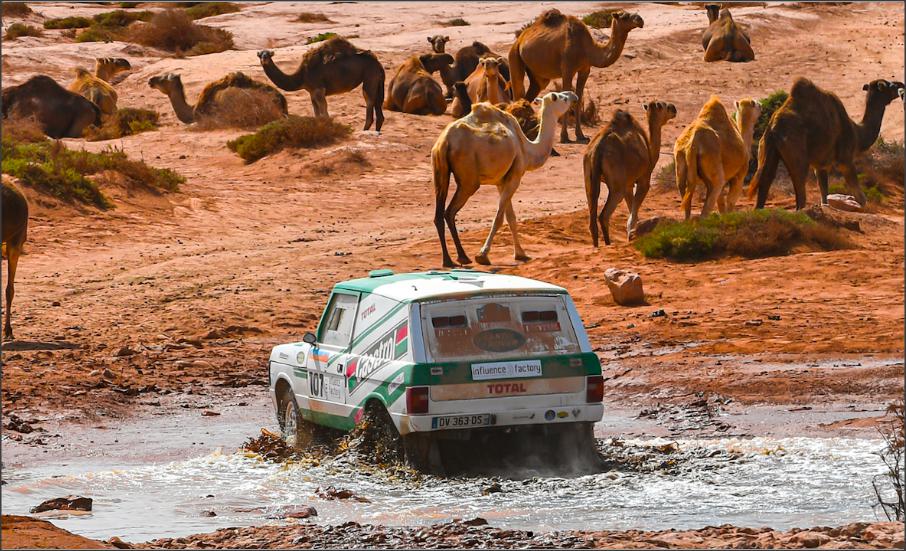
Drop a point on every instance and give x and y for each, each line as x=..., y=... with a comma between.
x=333, y=49
x=233, y=80
x=552, y=18
x=480, y=48
x=804, y=88
x=621, y=120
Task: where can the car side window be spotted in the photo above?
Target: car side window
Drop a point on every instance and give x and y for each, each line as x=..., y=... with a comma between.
x=340, y=318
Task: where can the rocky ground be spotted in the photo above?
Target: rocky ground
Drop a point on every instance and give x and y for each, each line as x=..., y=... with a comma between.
x=167, y=301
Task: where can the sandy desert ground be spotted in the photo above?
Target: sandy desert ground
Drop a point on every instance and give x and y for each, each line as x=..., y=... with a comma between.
x=183, y=294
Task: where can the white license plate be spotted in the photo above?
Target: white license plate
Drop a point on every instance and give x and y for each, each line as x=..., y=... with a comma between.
x=461, y=421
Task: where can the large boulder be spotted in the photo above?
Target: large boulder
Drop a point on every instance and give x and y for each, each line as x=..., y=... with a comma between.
x=626, y=287
x=68, y=503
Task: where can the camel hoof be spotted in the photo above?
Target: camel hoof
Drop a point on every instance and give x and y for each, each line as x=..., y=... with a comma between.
x=522, y=257
x=565, y=140
x=448, y=263
x=582, y=139
x=483, y=260
x=464, y=260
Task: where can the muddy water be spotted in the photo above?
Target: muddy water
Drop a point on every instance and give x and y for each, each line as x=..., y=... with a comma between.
x=780, y=482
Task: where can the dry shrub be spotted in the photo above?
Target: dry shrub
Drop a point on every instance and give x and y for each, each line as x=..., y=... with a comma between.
x=126, y=122
x=210, y=9
x=320, y=37
x=290, y=132
x=518, y=31
x=590, y=114
x=71, y=22
x=240, y=108
x=312, y=17
x=457, y=22
x=16, y=30
x=890, y=487
x=14, y=9
x=344, y=163
x=600, y=19
x=174, y=31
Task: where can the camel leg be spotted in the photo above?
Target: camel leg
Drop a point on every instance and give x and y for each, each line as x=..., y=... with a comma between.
x=460, y=197
x=615, y=194
x=369, y=109
x=852, y=182
x=736, y=189
x=12, y=261
x=714, y=181
x=567, y=86
x=519, y=252
x=580, y=92
x=822, y=184
x=722, y=200
x=796, y=160
x=507, y=189
x=440, y=200
x=641, y=191
x=319, y=102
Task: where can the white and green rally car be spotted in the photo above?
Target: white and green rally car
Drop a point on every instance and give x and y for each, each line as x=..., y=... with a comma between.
x=458, y=355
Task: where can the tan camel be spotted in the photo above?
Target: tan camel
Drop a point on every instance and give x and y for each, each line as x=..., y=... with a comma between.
x=413, y=90
x=559, y=46
x=713, y=13
x=59, y=112
x=210, y=101
x=15, y=231
x=487, y=147
x=727, y=41
x=334, y=67
x=812, y=130
x=714, y=150
x=96, y=90
x=484, y=84
x=623, y=155
x=438, y=43
x=105, y=68
x=465, y=62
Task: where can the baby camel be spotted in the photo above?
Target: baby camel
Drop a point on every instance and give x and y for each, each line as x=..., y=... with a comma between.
x=484, y=84
x=487, y=147
x=413, y=90
x=714, y=150
x=621, y=155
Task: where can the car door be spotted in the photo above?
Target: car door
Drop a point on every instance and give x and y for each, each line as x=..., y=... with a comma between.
x=326, y=373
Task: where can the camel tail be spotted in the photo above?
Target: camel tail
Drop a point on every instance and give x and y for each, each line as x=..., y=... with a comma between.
x=692, y=177
x=768, y=159
x=517, y=73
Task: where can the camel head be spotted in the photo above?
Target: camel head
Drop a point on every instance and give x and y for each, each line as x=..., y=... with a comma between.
x=168, y=83
x=265, y=55
x=902, y=93
x=112, y=65
x=491, y=65
x=883, y=91
x=436, y=62
x=557, y=102
x=747, y=113
x=713, y=11
x=625, y=22
x=438, y=42
x=660, y=111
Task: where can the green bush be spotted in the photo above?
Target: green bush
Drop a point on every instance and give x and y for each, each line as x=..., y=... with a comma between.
x=16, y=30
x=292, y=131
x=320, y=37
x=126, y=122
x=210, y=9
x=111, y=25
x=51, y=166
x=600, y=19
x=749, y=234
x=73, y=22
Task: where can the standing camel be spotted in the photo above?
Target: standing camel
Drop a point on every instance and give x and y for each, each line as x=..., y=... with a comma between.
x=621, y=155
x=714, y=150
x=487, y=147
x=484, y=84
x=438, y=43
x=559, y=46
x=333, y=68
x=812, y=130
x=15, y=229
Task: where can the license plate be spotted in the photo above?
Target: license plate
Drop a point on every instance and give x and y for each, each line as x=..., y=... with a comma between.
x=461, y=421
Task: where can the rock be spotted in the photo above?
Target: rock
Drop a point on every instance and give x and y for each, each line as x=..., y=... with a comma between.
x=754, y=322
x=118, y=543
x=55, y=303
x=811, y=540
x=626, y=287
x=208, y=514
x=658, y=313
x=333, y=493
x=835, y=218
x=477, y=521
x=125, y=351
x=18, y=425
x=107, y=374
x=844, y=202
x=494, y=488
x=294, y=511
x=68, y=503
x=209, y=413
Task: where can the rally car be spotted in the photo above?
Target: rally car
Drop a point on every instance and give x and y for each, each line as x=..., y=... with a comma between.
x=439, y=356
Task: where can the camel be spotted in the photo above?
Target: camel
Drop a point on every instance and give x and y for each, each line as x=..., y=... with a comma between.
x=413, y=90
x=466, y=61
x=105, y=68
x=726, y=41
x=621, y=155
x=487, y=147
x=714, y=150
x=59, y=112
x=484, y=84
x=210, y=101
x=15, y=230
x=713, y=13
x=521, y=109
x=438, y=43
x=333, y=68
x=812, y=130
x=96, y=90
x=559, y=46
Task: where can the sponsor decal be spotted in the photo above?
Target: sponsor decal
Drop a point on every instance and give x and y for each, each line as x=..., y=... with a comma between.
x=395, y=383
x=550, y=415
x=437, y=370
x=575, y=362
x=506, y=388
x=562, y=414
x=368, y=311
x=319, y=356
x=576, y=412
x=283, y=356
x=506, y=370
x=389, y=347
x=300, y=358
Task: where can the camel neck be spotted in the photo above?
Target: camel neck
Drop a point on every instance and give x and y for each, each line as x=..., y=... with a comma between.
x=493, y=84
x=870, y=126
x=184, y=112
x=654, y=140
x=538, y=150
x=103, y=73
x=607, y=53
x=290, y=83
x=746, y=130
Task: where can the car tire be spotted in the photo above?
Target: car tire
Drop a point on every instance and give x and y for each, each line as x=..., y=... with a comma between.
x=380, y=441
x=296, y=431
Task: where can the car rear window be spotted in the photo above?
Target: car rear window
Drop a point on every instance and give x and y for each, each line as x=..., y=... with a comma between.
x=497, y=327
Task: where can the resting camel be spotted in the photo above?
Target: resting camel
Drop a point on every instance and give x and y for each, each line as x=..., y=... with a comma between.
x=413, y=90
x=332, y=68
x=726, y=41
x=211, y=100
x=812, y=130
x=484, y=84
x=559, y=46
x=714, y=150
x=622, y=154
x=487, y=147
x=466, y=60
x=438, y=43
x=96, y=90
x=15, y=230
x=713, y=13
x=59, y=112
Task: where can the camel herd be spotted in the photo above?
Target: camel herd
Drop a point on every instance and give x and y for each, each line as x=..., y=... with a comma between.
x=497, y=135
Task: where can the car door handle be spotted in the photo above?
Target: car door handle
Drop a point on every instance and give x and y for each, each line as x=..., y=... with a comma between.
x=339, y=368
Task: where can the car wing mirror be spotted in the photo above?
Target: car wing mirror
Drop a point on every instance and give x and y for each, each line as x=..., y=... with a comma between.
x=309, y=338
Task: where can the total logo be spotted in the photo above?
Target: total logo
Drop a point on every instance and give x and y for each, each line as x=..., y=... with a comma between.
x=507, y=388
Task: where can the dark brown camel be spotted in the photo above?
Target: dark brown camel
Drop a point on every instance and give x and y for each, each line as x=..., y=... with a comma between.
x=727, y=41
x=812, y=130
x=438, y=43
x=15, y=230
x=413, y=90
x=333, y=68
x=59, y=112
x=713, y=13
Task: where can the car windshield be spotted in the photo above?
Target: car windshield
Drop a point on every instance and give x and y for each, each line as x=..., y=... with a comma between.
x=497, y=327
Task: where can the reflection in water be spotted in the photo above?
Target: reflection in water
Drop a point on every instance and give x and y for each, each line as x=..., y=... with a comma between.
x=782, y=483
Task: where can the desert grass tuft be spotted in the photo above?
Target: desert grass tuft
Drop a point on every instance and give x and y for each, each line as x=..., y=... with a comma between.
x=290, y=132
x=174, y=31
x=17, y=30
x=126, y=122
